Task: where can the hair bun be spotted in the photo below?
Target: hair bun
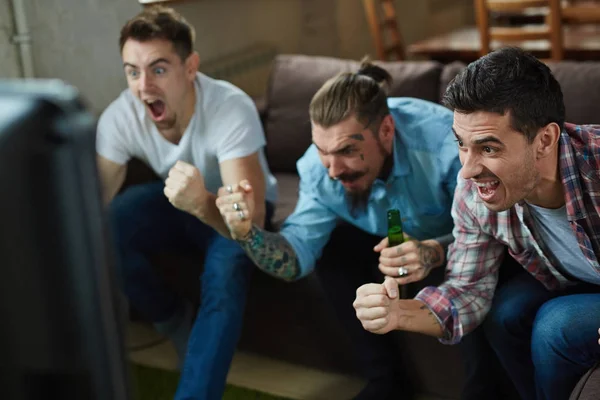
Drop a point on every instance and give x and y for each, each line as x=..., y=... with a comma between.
x=375, y=72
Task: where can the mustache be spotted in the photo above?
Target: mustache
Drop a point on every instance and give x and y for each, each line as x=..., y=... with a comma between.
x=348, y=177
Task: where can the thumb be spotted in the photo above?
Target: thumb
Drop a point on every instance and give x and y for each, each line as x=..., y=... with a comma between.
x=381, y=245
x=391, y=287
x=245, y=184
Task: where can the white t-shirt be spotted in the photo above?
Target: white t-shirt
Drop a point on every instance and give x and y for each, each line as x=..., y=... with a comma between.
x=225, y=125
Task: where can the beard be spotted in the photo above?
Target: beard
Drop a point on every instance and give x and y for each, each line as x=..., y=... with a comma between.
x=357, y=201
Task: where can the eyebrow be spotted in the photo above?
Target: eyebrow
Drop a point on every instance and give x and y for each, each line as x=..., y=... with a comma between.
x=336, y=151
x=359, y=137
x=483, y=140
x=158, y=60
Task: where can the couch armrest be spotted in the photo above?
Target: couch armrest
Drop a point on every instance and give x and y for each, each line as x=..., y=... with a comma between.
x=588, y=387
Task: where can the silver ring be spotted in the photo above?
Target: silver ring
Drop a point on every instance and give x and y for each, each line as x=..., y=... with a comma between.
x=229, y=189
x=402, y=271
x=241, y=215
x=236, y=207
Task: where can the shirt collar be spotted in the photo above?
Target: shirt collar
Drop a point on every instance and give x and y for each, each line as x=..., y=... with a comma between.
x=569, y=172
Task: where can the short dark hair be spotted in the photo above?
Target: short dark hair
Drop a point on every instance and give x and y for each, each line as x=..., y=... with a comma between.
x=509, y=80
x=159, y=22
x=362, y=94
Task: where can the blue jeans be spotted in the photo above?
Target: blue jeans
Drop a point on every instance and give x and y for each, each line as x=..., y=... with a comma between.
x=546, y=341
x=145, y=223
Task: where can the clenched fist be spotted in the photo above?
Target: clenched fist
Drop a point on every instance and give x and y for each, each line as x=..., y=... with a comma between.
x=184, y=187
x=236, y=205
x=376, y=306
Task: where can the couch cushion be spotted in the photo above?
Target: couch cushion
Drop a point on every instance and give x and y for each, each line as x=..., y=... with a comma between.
x=580, y=83
x=588, y=387
x=448, y=73
x=296, y=78
x=287, y=186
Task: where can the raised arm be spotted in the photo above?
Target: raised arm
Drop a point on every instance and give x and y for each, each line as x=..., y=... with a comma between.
x=289, y=254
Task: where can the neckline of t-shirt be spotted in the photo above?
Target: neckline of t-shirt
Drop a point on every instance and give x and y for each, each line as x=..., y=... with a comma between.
x=549, y=211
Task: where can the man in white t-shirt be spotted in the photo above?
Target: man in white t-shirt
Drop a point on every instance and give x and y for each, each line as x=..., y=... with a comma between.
x=197, y=134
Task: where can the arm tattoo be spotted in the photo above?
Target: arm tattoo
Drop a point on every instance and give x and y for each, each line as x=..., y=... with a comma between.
x=428, y=256
x=433, y=317
x=271, y=253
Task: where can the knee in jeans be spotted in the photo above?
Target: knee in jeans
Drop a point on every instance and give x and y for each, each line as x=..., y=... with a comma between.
x=502, y=317
x=552, y=320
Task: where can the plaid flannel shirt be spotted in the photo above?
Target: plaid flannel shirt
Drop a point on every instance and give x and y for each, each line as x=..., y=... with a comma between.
x=481, y=237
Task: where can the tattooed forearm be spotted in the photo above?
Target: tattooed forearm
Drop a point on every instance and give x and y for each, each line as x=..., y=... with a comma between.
x=271, y=253
x=433, y=317
x=429, y=255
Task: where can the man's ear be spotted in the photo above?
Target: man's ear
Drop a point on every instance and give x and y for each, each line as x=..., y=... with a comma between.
x=191, y=64
x=547, y=139
x=387, y=128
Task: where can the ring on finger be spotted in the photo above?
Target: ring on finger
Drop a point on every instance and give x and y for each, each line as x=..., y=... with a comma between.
x=402, y=271
x=236, y=207
x=241, y=215
x=229, y=189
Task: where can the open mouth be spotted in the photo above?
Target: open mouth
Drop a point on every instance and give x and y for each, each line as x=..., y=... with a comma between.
x=157, y=109
x=487, y=190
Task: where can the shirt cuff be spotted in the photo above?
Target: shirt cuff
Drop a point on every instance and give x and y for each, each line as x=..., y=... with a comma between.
x=445, y=312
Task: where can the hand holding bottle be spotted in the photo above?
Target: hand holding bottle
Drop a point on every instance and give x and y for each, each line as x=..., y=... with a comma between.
x=410, y=261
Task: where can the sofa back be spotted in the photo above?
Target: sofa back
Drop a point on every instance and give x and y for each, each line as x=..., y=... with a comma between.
x=296, y=78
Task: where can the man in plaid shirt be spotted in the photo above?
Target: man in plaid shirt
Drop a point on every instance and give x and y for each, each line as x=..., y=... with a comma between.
x=529, y=186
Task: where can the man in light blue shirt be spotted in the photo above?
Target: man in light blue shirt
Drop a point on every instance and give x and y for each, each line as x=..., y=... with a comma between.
x=369, y=154
x=420, y=184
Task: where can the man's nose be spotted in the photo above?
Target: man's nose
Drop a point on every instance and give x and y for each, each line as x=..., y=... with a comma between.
x=470, y=165
x=336, y=167
x=145, y=82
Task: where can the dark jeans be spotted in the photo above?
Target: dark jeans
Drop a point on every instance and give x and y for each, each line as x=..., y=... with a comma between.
x=485, y=378
x=348, y=262
x=145, y=223
x=545, y=340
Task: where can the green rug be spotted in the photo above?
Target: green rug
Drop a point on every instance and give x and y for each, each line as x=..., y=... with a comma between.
x=157, y=384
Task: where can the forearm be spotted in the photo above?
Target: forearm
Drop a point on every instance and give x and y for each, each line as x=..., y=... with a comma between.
x=415, y=316
x=272, y=253
x=210, y=215
x=445, y=241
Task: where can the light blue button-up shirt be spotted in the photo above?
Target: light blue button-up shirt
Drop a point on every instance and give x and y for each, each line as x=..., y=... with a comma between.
x=421, y=185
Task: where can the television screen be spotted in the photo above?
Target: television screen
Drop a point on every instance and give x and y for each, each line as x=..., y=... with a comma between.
x=61, y=329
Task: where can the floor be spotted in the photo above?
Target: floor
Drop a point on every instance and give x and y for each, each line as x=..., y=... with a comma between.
x=253, y=371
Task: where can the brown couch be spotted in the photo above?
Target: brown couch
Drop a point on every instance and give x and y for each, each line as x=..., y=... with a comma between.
x=292, y=321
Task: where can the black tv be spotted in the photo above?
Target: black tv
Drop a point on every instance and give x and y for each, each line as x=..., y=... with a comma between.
x=61, y=328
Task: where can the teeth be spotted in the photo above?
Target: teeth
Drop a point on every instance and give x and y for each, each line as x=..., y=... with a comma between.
x=487, y=184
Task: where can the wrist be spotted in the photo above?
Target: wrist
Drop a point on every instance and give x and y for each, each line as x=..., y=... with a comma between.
x=440, y=254
x=201, y=209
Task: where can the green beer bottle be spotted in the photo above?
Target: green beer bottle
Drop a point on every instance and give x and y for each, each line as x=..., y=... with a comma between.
x=395, y=237
x=395, y=234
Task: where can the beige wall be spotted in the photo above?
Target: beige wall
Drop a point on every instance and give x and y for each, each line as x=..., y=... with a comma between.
x=76, y=40
x=9, y=61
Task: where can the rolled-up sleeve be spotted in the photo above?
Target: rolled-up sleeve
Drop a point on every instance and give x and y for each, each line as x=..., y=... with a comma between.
x=308, y=229
x=464, y=299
